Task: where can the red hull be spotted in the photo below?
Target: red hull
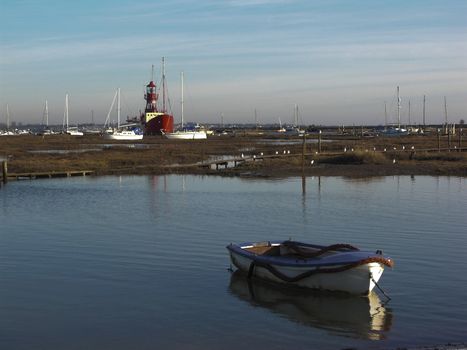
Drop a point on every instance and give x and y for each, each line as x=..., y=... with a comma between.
x=161, y=123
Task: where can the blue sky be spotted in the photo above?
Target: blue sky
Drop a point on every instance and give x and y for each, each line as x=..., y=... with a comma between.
x=339, y=60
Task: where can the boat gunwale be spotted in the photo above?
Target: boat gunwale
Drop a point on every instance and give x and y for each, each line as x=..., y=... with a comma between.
x=353, y=256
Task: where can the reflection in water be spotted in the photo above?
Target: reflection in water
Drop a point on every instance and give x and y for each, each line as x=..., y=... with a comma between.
x=340, y=314
x=304, y=195
x=318, y=191
x=303, y=186
x=319, y=186
x=364, y=180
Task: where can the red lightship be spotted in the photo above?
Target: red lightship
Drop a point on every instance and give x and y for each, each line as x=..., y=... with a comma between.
x=154, y=121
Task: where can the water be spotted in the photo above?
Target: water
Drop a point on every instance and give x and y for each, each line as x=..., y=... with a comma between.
x=140, y=262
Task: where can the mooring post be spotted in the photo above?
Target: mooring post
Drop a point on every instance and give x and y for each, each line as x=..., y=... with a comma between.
x=439, y=140
x=319, y=141
x=4, y=171
x=449, y=140
x=459, y=141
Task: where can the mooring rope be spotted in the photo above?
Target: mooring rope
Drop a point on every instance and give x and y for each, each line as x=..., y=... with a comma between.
x=377, y=285
x=318, y=270
x=307, y=254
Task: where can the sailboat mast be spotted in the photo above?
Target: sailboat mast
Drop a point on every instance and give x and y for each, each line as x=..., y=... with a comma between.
x=118, y=108
x=298, y=117
x=445, y=112
x=295, y=115
x=7, y=117
x=385, y=115
x=398, y=109
x=295, y=112
x=409, y=112
x=163, y=85
x=181, y=78
x=256, y=120
x=66, y=111
x=46, y=114
x=424, y=100
x=107, y=119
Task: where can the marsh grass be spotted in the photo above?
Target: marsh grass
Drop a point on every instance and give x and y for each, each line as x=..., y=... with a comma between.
x=154, y=154
x=359, y=157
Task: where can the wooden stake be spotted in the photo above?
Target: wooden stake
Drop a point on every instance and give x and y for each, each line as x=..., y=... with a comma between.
x=459, y=141
x=449, y=140
x=319, y=142
x=439, y=141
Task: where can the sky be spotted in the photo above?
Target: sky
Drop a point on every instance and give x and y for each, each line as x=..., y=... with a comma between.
x=340, y=61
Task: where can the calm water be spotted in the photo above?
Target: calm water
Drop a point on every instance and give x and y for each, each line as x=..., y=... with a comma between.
x=140, y=262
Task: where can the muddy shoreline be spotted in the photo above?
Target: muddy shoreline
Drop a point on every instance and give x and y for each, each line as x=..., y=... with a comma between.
x=258, y=156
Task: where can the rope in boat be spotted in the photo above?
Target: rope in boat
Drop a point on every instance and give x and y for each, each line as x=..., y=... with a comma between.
x=280, y=275
x=307, y=254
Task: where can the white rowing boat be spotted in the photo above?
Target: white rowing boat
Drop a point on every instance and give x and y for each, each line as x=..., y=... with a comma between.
x=339, y=267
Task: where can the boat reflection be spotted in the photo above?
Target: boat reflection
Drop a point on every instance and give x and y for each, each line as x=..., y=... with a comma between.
x=339, y=314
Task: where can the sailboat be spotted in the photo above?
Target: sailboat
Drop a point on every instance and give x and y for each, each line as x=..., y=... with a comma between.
x=73, y=131
x=7, y=132
x=121, y=132
x=184, y=134
x=281, y=128
x=295, y=129
x=392, y=131
x=45, y=121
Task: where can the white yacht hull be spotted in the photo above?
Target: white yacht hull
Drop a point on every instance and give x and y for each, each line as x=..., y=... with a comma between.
x=123, y=137
x=74, y=133
x=186, y=135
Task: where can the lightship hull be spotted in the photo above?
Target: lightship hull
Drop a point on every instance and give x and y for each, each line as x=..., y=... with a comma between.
x=158, y=123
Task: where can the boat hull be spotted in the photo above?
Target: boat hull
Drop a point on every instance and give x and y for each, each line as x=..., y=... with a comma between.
x=135, y=137
x=351, y=277
x=74, y=133
x=187, y=135
x=158, y=123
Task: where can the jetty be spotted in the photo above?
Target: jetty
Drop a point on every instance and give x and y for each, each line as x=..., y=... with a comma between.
x=47, y=174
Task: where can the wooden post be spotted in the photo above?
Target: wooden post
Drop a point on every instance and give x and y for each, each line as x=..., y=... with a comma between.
x=449, y=140
x=459, y=141
x=5, y=171
x=439, y=141
x=319, y=142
